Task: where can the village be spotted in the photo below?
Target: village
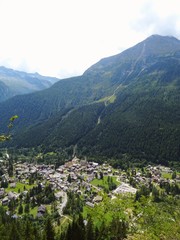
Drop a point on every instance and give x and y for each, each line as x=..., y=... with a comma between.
x=76, y=176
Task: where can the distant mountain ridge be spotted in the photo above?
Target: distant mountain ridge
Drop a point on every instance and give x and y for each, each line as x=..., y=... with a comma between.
x=14, y=82
x=128, y=103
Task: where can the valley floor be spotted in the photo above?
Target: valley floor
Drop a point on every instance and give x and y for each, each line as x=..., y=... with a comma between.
x=112, y=203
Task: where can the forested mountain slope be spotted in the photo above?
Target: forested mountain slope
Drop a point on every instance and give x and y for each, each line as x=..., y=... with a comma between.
x=128, y=103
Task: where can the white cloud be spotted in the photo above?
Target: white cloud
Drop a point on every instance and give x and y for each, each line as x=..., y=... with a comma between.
x=65, y=37
x=161, y=17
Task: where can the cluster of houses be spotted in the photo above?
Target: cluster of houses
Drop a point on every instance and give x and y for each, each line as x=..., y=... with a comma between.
x=151, y=174
x=76, y=176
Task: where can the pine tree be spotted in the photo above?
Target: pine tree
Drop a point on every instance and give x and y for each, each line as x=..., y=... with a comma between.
x=174, y=175
x=69, y=233
x=89, y=230
x=26, y=208
x=49, y=230
x=118, y=229
x=28, y=231
x=81, y=227
x=69, y=178
x=155, y=194
x=20, y=209
x=14, y=233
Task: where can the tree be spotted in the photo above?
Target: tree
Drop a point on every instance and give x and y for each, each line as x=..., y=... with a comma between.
x=143, y=191
x=81, y=227
x=5, y=137
x=27, y=199
x=4, y=184
x=12, y=205
x=49, y=230
x=75, y=231
x=155, y=193
x=20, y=209
x=118, y=228
x=10, y=169
x=101, y=175
x=174, y=175
x=89, y=229
x=28, y=231
x=14, y=233
x=69, y=178
x=26, y=208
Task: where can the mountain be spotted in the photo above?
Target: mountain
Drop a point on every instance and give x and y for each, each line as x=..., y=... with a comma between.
x=125, y=104
x=16, y=82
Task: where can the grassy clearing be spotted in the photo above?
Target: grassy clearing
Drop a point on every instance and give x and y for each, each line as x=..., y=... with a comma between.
x=104, y=182
x=109, y=99
x=20, y=187
x=166, y=175
x=48, y=208
x=33, y=211
x=112, y=99
x=100, y=182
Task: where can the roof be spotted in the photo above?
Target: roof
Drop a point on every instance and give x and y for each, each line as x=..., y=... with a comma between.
x=97, y=199
x=89, y=204
x=41, y=209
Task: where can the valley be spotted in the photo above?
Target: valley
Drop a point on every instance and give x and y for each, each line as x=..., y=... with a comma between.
x=96, y=156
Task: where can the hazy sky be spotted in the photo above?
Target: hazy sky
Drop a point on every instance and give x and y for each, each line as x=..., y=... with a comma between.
x=63, y=38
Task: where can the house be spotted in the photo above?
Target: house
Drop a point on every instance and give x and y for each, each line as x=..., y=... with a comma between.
x=12, y=195
x=41, y=211
x=89, y=204
x=109, y=170
x=59, y=170
x=79, y=192
x=24, y=193
x=97, y=199
x=2, y=192
x=5, y=201
x=15, y=216
x=95, y=164
x=12, y=185
x=83, y=162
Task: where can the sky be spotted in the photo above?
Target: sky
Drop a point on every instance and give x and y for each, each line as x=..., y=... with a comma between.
x=63, y=38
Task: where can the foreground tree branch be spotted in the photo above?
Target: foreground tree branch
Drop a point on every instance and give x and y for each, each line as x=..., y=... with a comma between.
x=5, y=137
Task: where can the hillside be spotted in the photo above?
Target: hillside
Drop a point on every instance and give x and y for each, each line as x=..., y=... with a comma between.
x=14, y=83
x=128, y=103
